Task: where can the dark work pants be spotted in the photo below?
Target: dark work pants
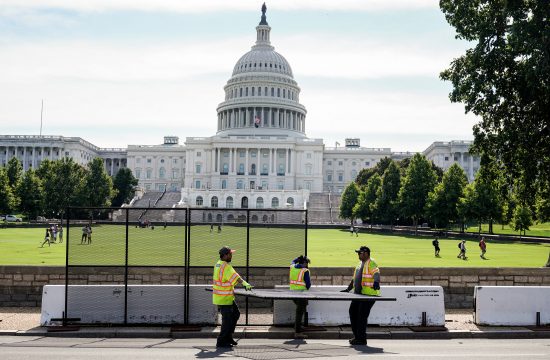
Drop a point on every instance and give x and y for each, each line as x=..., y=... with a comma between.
x=301, y=307
x=359, y=312
x=230, y=316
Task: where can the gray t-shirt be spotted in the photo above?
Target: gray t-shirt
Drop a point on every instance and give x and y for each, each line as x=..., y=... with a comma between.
x=358, y=279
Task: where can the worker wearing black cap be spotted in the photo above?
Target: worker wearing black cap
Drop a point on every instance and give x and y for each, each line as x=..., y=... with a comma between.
x=366, y=281
x=224, y=280
x=299, y=281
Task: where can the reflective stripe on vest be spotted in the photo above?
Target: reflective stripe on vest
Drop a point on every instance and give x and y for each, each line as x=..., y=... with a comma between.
x=223, y=293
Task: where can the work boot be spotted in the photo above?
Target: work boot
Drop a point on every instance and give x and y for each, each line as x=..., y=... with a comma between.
x=358, y=342
x=233, y=342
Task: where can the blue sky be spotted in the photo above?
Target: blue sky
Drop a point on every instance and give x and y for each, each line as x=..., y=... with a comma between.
x=119, y=72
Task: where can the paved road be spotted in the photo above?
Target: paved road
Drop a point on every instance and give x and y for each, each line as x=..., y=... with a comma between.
x=25, y=347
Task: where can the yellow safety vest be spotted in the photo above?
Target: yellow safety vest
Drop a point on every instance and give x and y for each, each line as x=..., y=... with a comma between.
x=223, y=282
x=367, y=277
x=297, y=278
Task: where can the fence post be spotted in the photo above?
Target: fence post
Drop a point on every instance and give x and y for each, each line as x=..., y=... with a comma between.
x=66, y=267
x=247, y=258
x=126, y=271
x=187, y=265
x=305, y=236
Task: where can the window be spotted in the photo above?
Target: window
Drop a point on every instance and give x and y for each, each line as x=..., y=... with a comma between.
x=340, y=163
x=367, y=163
x=253, y=154
x=175, y=161
x=353, y=163
x=246, y=92
x=214, y=202
x=229, y=202
x=175, y=173
x=253, y=91
x=225, y=168
x=353, y=174
x=281, y=169
x=197, y=184
x=275, y=202
x=198, y=201
x=329, y=176
x=280, y=185
x=265, y=154
x=148, y=161
x=241, y=169
x=149, y=173
x=260, y=203
x=446, y=158
x=340, y=177
x=198, y=168
x=264, y=169
x=138, y=160
x=272, y=92
x=308, y=155
x=308, y=185
x=162, y=173
x=241, y=154
x=259, y=91
x=239, y=184
x=162, y=161
x=278, y=92
x=138, y=173
x=284, y=93
x=290, y=202
x=198, y=154
x=329, y=162
x=241, y=92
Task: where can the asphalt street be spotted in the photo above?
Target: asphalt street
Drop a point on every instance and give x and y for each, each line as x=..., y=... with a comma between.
x=50, y=348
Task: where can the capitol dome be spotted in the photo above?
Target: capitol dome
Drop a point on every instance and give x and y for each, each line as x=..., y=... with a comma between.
x=262, y=97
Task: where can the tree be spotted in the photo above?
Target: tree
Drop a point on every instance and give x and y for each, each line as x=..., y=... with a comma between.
x=419, y=180
x=7, y=199
x=349, y=199
x=543, y=203
x=404, y=164
x=386, y=205
x=505, y=80
x=63, y=182
x=31, y=194
x=522, y=219
x=489, y=188
x=98, y=185
x=363, y=207
x=14, y=171
x=124, y=185
x=365, y=174
x=442, y=205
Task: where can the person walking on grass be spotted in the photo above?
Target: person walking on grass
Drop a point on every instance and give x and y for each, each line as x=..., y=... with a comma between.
x=60, y=234
x=46, y=238
x=299, y=280
x=365, y=281
x=224, y=280
x=462, y=253
x=483, y=247
x=435, y=243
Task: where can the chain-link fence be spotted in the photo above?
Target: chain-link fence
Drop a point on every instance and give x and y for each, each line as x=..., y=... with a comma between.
x=142, y=257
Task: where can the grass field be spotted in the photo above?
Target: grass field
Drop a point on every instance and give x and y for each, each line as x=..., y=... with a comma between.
x=535, y=230
x=272, y=247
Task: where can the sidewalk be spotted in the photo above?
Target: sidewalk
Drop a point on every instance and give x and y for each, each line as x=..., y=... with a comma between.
x=458, y=324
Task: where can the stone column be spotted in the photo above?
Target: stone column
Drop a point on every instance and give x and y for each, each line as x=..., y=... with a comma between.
x=230, y=169
x=24, y=162
x=112, y=165
x=471, y=167
x=269, y=165
x=246, y=169
x=289, y=162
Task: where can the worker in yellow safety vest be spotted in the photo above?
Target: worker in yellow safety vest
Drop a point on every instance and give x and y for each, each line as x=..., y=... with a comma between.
x=366, y=281
x=224, y=280
x=299, y=281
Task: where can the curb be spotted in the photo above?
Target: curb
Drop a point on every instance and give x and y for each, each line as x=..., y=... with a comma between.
x=248, y=333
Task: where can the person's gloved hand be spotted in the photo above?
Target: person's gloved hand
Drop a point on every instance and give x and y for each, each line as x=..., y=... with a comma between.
x=247, y=286
x=376, y=285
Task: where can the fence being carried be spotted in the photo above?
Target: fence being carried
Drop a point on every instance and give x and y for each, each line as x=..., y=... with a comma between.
x=140, y=270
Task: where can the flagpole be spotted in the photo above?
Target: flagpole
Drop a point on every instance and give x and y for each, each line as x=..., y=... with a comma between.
x=41, y=113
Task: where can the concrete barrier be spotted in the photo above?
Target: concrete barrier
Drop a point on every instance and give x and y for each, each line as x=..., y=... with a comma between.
x=512, y=305
x=160, y=304
x=411, y=302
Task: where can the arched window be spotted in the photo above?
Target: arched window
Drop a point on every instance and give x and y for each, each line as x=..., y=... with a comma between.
x=272, y=91
x=229, y=202
x=244, y=202
x=253, y=169
x=241, y=92
x=246, y=92
x=198, y=201
x=259, y=91
x=253, y=91
x=284, y=93
x=214, y=202
x=254, y=218
x=278, y=92
x=260, y=203
x=219, y=218
x=275, y=202
x=290, y=202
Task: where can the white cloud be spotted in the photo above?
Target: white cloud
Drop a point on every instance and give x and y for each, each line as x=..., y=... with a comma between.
x=196, y=6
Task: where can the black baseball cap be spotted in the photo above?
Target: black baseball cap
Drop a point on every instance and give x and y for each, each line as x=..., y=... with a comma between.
x=226, y=250
x=363, y=249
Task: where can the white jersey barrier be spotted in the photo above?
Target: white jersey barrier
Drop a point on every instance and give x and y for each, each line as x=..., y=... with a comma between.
x=413, y=305
x=512, y=305
x=160, y=304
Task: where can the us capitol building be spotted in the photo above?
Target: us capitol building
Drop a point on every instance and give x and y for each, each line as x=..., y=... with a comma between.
x=260, y=156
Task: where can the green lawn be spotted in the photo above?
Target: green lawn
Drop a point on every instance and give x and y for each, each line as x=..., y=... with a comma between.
x=273, y=246
x=535, y=230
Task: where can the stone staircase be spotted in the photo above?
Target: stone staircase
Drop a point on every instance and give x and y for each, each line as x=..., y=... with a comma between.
x=323, y=208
